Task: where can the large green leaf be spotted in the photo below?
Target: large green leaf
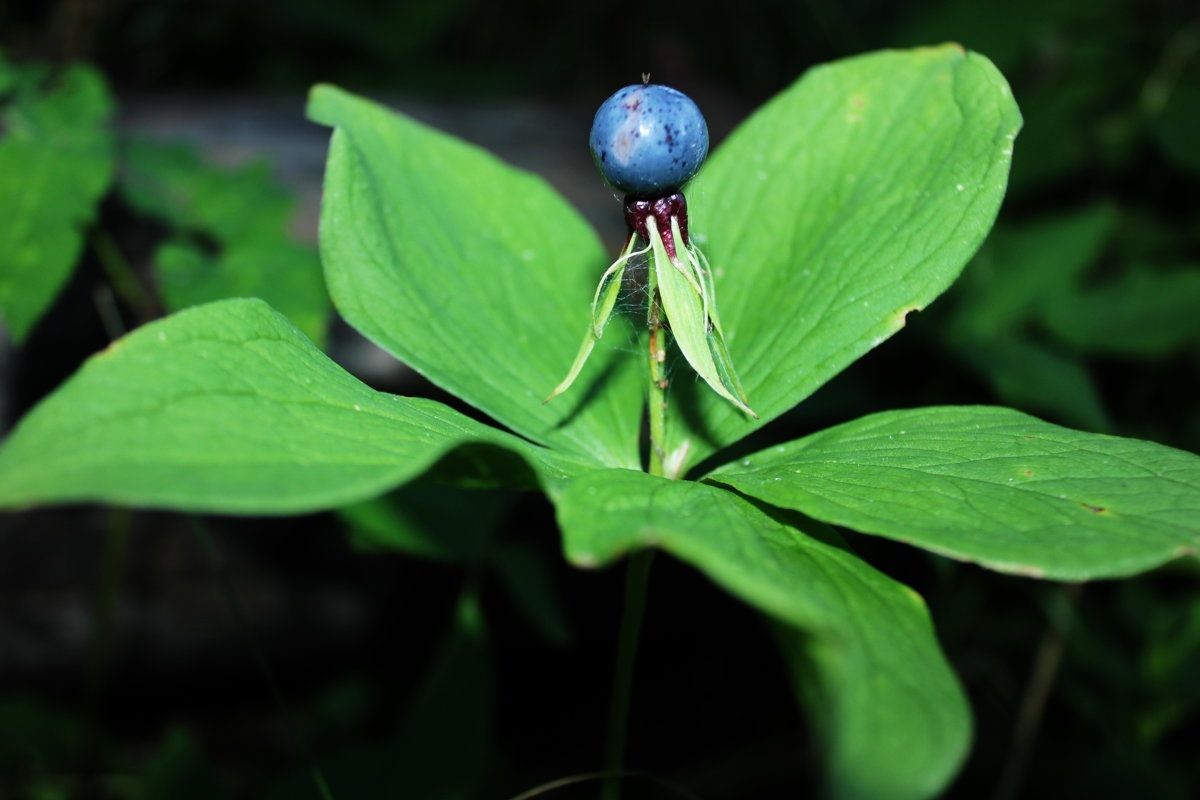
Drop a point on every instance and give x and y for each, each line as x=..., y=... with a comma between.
x=227, y=408
x=851, y=199
x=56, y=160
x=896, y=722
x=990, y=485
x=477, y=275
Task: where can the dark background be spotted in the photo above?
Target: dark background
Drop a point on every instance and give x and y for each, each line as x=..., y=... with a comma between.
x=127, y=671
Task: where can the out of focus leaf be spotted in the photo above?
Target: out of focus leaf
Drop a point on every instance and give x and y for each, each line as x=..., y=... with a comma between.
x=172, y=183
x=440, y=523
x=272, y=268
x=444, y=748
x=242, y=214
x=1024, y=267
x=1141, y=312
x=179, y=771
x=37, y=740
x=459, y=526
x=56, y=161
x=523, y=572
x=1036, y=378
x=1177, y=128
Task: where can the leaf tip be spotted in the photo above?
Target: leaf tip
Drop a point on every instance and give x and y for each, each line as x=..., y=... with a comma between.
x=322, y=97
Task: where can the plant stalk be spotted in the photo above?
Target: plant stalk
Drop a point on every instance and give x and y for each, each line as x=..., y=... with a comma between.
x=656, y=383
x=1043, y=673
x=638, y=572
x=121, y=275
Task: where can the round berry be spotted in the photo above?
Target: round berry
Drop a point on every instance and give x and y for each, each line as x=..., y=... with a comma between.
x=648, y=140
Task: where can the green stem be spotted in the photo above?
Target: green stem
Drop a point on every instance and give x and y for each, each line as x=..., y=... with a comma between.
x=656, y=379
x=638, y=572
x=121, y=276
x=636, y=579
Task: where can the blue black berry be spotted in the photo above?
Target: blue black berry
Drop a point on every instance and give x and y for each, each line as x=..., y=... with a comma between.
x=648, y=140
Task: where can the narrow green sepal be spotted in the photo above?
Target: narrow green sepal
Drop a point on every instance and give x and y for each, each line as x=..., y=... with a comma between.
x=685, y=304
x=585, y=350
x=603, y=303
x=609, y=288
x=716, y=334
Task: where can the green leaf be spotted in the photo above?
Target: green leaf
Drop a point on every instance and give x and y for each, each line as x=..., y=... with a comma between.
x=228, y=408
x=896, y=722
x=851, y=199
x=246, y=213
x=990, y=485
x=1027, y=268
x=1034, y=377
x=446, y=745
x=285, y=274
x=1177, y=130
x=475, y=274
x=179, y=770
x=1141, y=312
x=173, y=183
x=445, y=748
x=441, y=523
x=56, y=161
x=458, y=526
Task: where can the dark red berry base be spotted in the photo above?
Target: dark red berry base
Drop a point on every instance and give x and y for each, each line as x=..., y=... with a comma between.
x=639, y=209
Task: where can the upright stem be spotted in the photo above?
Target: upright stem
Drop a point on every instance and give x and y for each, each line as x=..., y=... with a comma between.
x=636, y=578
x=121, y=276
x=656, y=384
x=1046, y=662
x=638, y=571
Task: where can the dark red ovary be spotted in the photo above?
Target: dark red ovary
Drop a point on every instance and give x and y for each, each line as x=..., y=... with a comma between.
x=640, y=209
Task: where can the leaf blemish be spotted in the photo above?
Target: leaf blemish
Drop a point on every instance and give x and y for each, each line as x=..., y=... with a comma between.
x=854, y=112
x=1095, y=509
x=900, y=318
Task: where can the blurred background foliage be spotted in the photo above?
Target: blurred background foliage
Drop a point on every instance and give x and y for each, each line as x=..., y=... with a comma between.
x=432, y=643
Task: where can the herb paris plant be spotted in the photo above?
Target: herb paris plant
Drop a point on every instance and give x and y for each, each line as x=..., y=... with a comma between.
x=854, y=197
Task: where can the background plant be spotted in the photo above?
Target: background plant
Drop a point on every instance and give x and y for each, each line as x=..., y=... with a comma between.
x=1141, y=395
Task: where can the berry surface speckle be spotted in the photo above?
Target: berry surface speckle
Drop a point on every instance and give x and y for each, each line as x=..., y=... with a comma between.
x=648, y=140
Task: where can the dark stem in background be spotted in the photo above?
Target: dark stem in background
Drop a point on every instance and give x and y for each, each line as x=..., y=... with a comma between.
x=636, y=579
x=122, y=277
x=638, y=573
x=112, y=570
x=209, y=545
x=1043, y=673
